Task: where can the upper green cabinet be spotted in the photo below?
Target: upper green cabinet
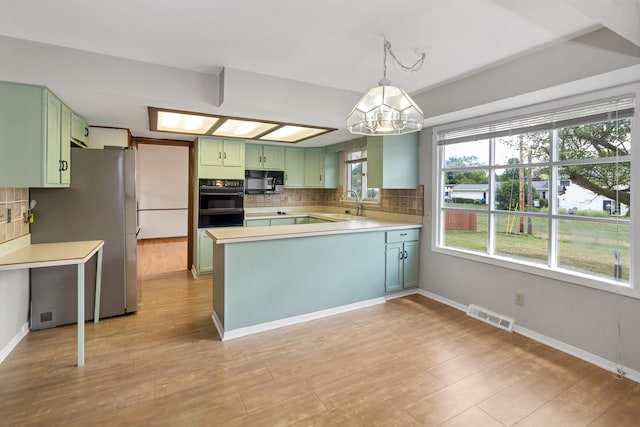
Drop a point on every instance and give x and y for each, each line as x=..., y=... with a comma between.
x=264, y=157
x=320, y=170
x=293, y=167
x=392, y=161
x=332, y=170
x=35, y=137
x=314, y=167
x=220, y=158
x=79, y=130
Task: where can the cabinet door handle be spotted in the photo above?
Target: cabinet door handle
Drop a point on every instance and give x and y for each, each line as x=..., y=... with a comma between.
x=61, y=165
x=403, y=234
x=286, y=177
x=66, y=165
x=264, y=159
x=225, y=155
x=86, y=131
x=406, y=255
x=219, y=155
x=320, y=177
x=401, y=255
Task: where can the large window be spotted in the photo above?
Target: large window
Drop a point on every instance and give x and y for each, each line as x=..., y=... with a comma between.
x=356, y=176
x=550, y=190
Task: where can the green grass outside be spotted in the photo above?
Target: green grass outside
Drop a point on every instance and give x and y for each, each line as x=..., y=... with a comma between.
x=583, y=246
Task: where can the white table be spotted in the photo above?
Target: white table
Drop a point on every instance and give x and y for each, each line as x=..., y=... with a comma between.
x=63, y=253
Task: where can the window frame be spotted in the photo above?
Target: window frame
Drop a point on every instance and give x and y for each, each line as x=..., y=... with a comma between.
x=347, y=197
x=574, y=277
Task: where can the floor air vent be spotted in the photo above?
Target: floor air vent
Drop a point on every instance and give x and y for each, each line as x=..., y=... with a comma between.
x=46, y=317
x=490, y=317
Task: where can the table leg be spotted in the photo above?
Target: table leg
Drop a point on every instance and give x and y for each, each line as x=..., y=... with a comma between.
x=80, y=315
x=96, y=305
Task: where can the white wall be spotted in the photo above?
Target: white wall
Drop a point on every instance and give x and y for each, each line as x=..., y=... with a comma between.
x=578, y=316
x=14, y=302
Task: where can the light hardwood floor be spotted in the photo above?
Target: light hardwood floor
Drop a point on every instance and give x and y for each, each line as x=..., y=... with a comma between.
x=411, y=361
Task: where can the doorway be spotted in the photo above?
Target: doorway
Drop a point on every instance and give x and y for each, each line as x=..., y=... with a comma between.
x=164, y=193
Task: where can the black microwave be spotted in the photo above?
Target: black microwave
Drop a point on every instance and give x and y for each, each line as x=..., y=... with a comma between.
x=263, y=182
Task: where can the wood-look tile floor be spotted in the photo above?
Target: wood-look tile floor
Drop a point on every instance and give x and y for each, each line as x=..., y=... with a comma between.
x=411, y=361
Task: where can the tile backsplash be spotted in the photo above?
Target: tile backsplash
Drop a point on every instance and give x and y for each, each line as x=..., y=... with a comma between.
x=395, y=201
x=16, y=200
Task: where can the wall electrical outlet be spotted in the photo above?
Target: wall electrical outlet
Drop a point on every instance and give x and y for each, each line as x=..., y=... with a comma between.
x=519, y=298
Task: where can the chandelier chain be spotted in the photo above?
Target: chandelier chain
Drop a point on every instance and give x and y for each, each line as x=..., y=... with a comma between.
x=415, y=67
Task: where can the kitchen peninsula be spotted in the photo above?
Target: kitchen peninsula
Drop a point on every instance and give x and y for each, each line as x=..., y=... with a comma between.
x=265, y=277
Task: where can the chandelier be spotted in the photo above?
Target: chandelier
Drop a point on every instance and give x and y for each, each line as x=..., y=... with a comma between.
x=386, y=109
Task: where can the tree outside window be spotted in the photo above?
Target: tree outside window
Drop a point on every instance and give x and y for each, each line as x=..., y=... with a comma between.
x=356, y=176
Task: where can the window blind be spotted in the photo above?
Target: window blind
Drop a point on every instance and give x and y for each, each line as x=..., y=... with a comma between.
x=592, y=113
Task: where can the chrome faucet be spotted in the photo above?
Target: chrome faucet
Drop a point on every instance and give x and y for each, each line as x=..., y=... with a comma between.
x=359, y=211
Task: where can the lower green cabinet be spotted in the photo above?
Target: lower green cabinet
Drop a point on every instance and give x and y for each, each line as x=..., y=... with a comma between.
x=283, y=221
x=402, y=260
x=257, y=222
x=205, y=252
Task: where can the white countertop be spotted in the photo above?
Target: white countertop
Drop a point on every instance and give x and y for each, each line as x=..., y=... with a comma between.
x=343, y=224
x=50, y=254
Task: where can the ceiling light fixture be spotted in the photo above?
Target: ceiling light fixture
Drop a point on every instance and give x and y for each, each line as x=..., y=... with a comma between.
x=386, y=109
x=188, y=122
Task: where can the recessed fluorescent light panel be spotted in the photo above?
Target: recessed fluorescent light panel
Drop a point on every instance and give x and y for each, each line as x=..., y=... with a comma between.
x=243, y=128
x=184, y=123
x=187, y=122
x=290, y=133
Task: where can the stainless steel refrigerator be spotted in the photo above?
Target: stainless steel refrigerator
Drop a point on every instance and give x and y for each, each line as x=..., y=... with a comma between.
x=100, y=204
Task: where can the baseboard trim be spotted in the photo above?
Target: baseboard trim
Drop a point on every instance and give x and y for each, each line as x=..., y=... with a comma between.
x=24, y=330
x=400, y=294
x=218, y=325
x=268, y=326
x=202, y=276
x=443, y=300
x=594, y=359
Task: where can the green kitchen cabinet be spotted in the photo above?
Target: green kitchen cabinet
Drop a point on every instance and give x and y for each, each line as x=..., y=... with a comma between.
x=205, y=252
x=332, y=170
x=302, y=220
x=321, y=170
x=293, y=167
x=314, y=167
x=220, y=158
x=402, y=261
x=35, y=128
x=257, y=222
x=283, y=221
x=79, y=130
x=267, y=157
x=392, y=161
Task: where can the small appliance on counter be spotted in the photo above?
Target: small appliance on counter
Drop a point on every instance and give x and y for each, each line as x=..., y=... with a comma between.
x=263, y=182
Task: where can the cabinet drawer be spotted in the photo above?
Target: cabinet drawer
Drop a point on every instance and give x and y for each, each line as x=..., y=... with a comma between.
x=403, y=235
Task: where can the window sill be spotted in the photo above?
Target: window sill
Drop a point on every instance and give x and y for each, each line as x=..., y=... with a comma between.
x=573, y=278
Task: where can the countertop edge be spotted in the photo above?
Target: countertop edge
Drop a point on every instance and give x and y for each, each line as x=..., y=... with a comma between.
x=311, y=233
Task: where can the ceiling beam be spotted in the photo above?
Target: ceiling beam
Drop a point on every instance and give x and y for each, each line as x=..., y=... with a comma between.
x=620, y=16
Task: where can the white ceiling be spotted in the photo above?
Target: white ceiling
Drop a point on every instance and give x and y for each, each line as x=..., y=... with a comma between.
x=332, y=43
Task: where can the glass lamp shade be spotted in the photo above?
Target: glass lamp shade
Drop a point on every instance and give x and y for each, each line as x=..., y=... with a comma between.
x=385, y=110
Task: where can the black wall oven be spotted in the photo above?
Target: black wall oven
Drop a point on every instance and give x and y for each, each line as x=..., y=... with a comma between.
x=221, y=203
